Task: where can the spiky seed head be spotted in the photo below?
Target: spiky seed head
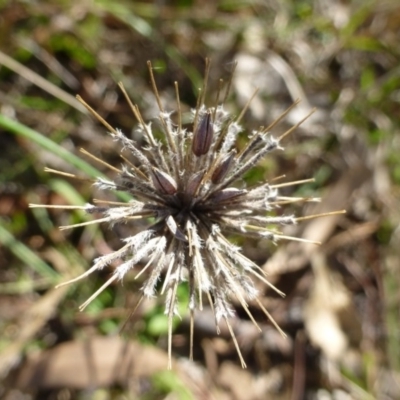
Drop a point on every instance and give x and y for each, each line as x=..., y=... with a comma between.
x=185, y=190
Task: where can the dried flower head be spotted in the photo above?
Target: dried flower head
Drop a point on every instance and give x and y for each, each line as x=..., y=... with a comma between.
x=188, y=190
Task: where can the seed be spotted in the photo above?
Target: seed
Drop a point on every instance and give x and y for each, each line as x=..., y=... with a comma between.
x=223, y=168
x=163, y=182
x=203, y=135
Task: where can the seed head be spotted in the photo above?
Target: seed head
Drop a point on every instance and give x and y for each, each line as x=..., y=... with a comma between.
x=188, y=191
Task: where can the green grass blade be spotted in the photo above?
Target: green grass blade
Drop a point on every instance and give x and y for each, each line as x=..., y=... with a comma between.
x=24, y=131
x=26, y=255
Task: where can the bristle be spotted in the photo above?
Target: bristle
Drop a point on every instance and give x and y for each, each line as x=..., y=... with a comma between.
x=293, y=183
x=328, y=214
x=294, y=127
x=233, y=336
x=229, y=85
x=96, y=115
x=100, y=161
x=247, y=105
x=68, y=175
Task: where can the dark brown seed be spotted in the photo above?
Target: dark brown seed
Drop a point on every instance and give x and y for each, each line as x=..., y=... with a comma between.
x=194, y=183
x=163, y=182
x=174, y=229
x=203, y=135
x=223, y=167
x=227, y=194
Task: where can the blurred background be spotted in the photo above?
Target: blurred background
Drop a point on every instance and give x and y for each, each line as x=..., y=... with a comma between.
x=342, y=305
